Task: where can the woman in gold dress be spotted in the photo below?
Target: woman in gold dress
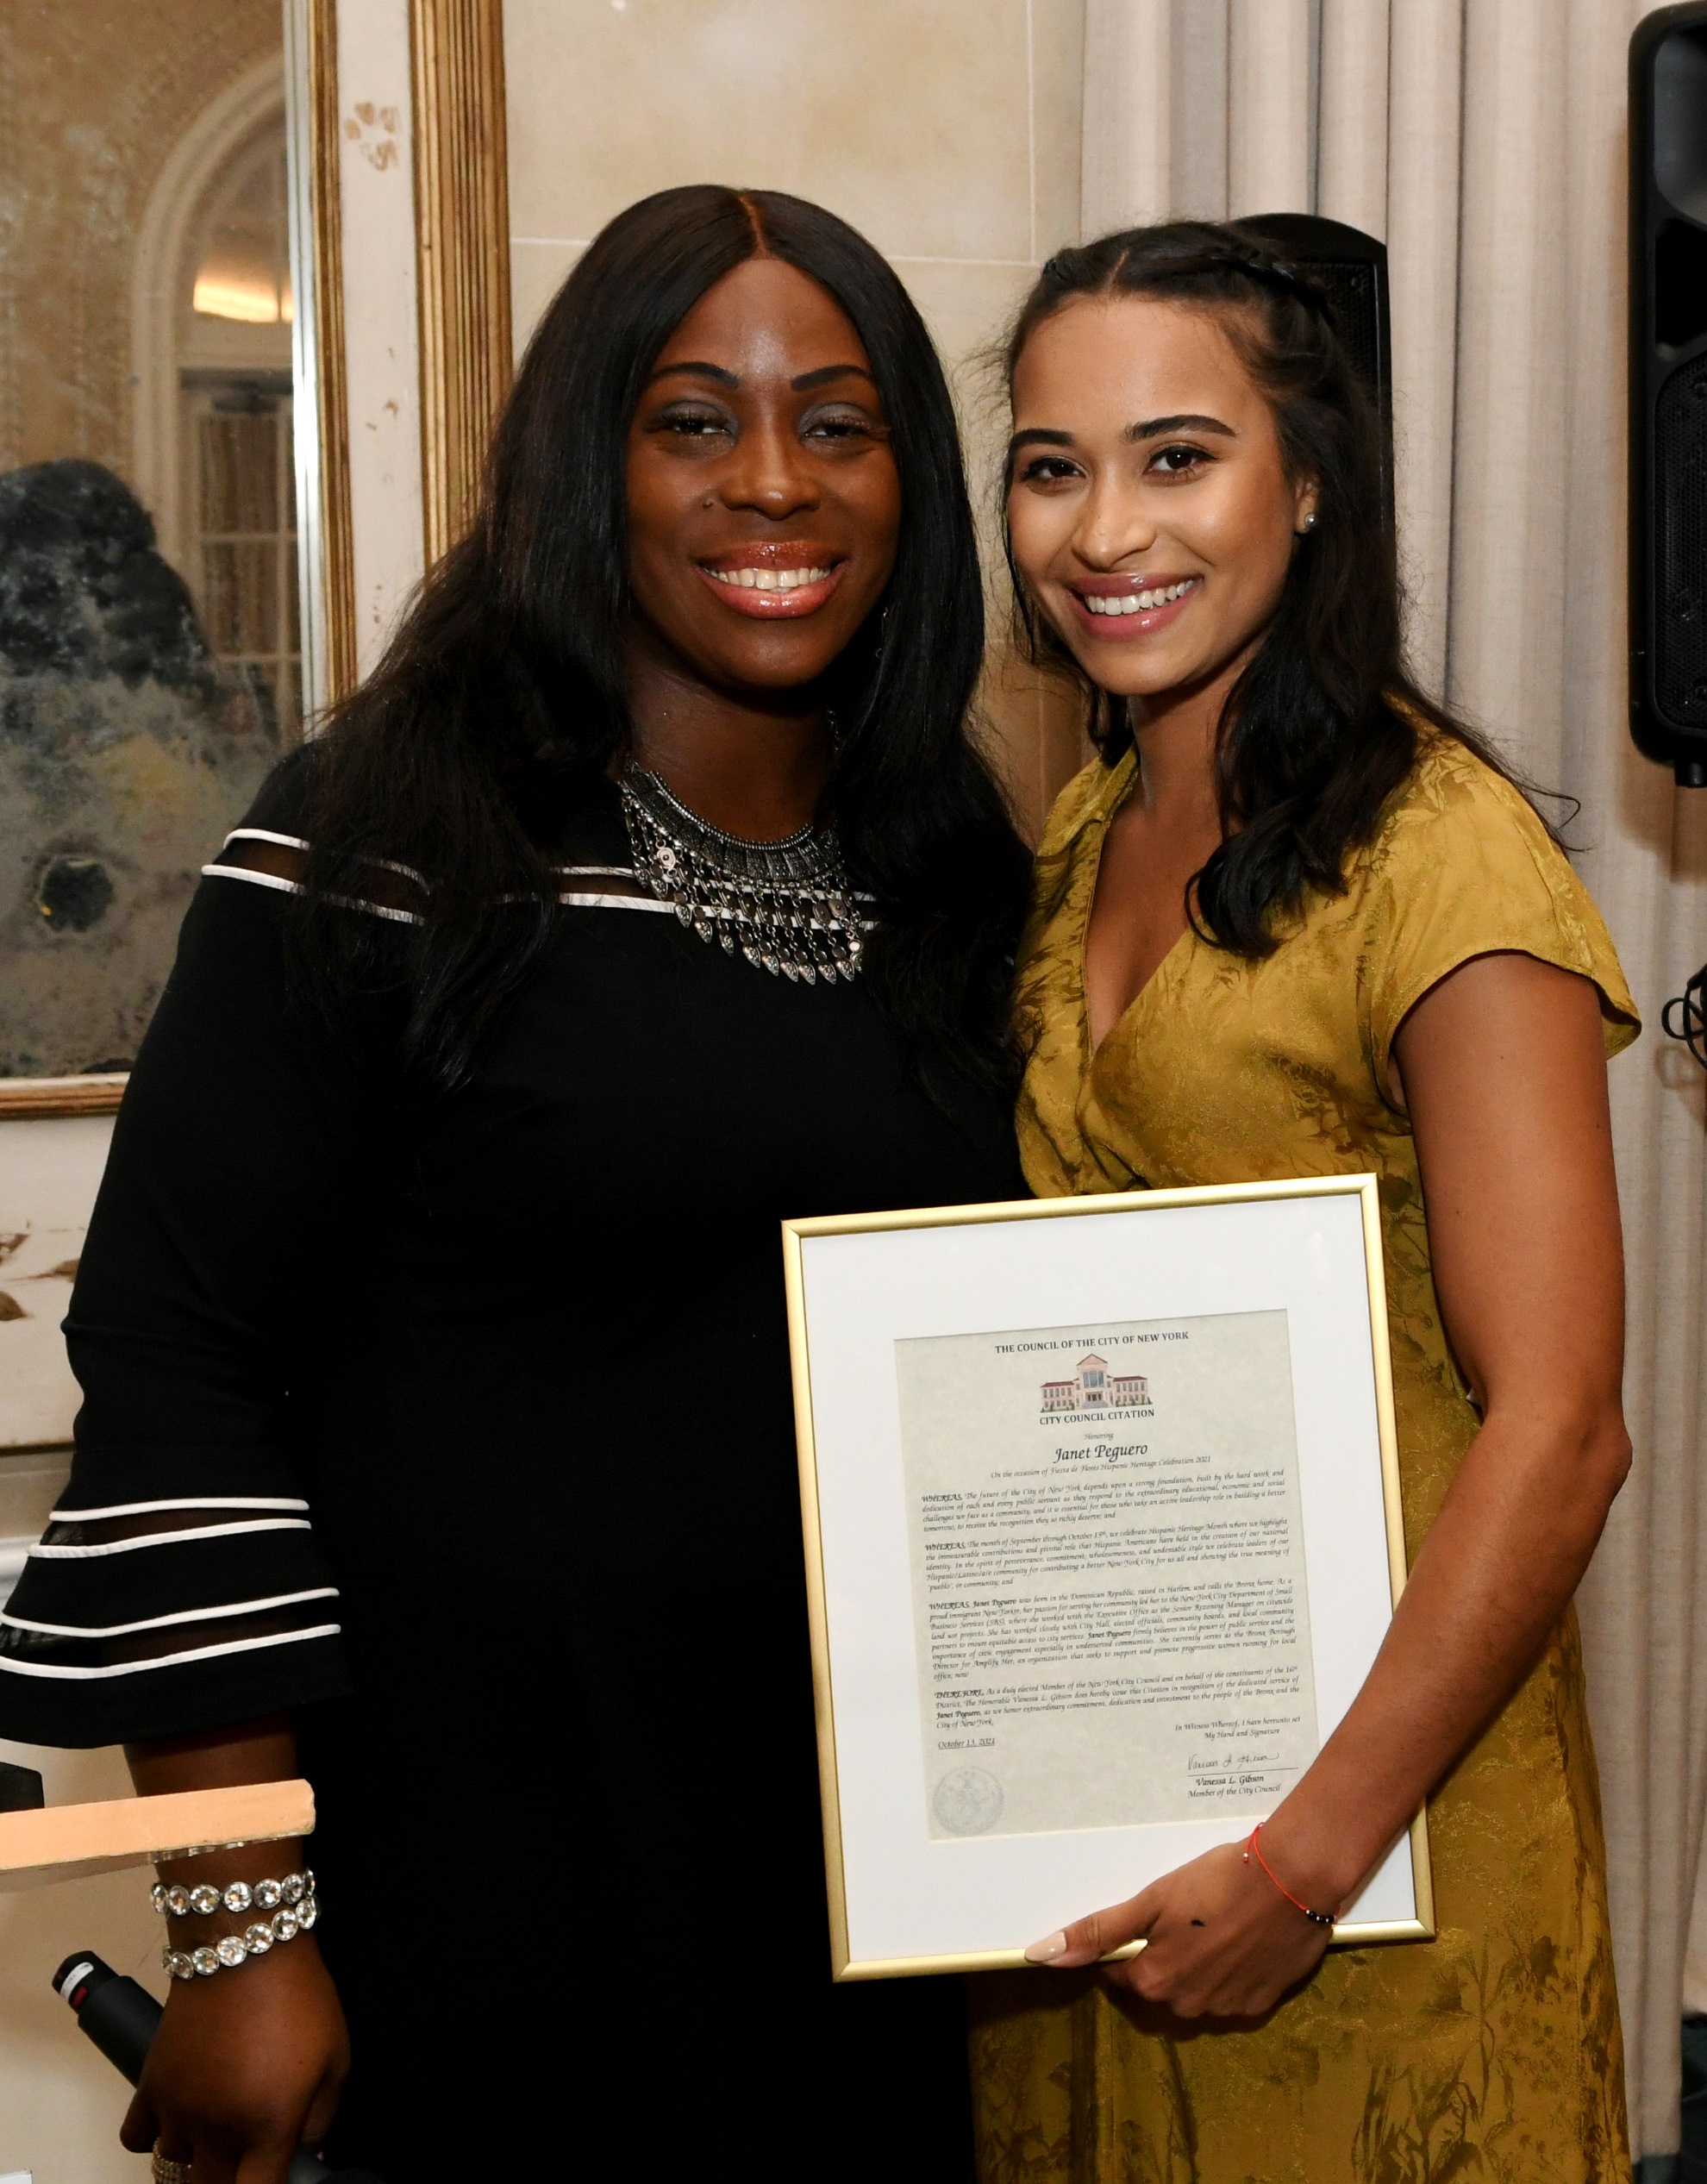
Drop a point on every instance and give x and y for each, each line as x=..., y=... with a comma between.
x=1295, y=920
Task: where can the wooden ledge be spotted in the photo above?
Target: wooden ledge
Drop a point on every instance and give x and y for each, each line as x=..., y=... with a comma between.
x=64, y=1842
x=30, y=1099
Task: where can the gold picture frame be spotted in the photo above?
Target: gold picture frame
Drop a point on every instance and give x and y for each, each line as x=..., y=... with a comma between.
x=462, y=252
x=326, y=561
x=797, y=1234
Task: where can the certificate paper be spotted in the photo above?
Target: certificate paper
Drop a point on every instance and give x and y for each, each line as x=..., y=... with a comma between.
x=1101, y=1510
x=1109, y=1594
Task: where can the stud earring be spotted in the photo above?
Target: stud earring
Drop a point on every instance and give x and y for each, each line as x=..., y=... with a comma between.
x=1309, y=521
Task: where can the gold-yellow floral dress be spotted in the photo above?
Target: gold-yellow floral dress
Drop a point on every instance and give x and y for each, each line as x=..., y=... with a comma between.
x=1492, y=2053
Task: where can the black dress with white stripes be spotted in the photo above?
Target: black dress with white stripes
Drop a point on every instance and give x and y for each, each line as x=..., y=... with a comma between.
x=460, y=1424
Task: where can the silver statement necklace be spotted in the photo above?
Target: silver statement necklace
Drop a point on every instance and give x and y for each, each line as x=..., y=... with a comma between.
x=786, y=906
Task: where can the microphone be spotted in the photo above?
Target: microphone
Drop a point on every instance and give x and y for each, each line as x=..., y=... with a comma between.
x=121, y=2017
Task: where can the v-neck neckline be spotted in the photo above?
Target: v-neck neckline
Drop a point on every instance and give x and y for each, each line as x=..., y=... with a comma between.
x=1093, y=1051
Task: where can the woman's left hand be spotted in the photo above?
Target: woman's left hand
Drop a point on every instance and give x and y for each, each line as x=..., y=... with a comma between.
x=1221, y=1940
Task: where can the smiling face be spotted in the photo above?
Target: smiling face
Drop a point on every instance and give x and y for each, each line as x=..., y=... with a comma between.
x=764, y=501
x=1151, y=513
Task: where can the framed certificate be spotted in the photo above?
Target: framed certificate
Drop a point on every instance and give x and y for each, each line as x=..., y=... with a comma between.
x=1102, y=1534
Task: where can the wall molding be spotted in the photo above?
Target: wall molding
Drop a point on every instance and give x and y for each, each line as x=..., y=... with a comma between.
x=327, y=556
x=462, y=246
x=33, y=1099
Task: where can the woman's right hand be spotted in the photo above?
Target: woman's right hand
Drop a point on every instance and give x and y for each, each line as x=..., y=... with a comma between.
x=245, y=2067
x=248, y=2063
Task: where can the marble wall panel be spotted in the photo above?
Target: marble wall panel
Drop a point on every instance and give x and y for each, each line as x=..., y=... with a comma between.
x=884, y=113
x=382, y=355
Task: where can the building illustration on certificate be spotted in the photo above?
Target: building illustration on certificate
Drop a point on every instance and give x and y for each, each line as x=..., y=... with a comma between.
x=1093, y=1387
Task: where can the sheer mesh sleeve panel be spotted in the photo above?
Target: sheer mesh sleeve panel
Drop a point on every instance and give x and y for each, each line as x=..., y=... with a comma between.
x=180, y=1585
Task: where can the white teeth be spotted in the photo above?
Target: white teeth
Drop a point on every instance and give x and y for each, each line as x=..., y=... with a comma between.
x=1135, y=601
x=768, y=579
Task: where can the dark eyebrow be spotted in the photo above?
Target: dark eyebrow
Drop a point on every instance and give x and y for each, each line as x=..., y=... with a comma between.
x=1039, y=436
x=1151, y=426
x=703, y=371
x=825, y=373
x=804, y=384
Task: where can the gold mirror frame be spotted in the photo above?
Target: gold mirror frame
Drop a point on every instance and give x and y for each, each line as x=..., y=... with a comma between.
x=325, y=553
x=462, y=251
x=462, y=288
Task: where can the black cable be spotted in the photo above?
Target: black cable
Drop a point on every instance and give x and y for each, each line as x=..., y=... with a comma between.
x=1692, y=1006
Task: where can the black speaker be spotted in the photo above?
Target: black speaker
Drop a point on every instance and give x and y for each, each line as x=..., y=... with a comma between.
x=1668, y=390
x=1351, y=269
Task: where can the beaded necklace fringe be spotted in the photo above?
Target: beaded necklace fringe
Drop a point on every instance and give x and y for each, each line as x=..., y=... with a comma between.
x=786, y=906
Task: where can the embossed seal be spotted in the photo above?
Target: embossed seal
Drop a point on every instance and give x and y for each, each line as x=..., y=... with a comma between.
x=967, y=1801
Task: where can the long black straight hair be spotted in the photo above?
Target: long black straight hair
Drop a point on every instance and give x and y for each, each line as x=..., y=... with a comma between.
x=1323, y=725
x=503, y=693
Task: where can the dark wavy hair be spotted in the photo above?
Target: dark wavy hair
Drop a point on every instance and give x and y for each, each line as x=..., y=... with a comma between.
x=501, y=696
x=1324, y=724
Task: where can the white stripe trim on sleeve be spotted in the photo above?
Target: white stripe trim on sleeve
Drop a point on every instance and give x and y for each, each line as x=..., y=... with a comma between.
x=617, y=902
x=166, y=1622
x=264, y=833
x=180, y=1501
x=296, y=841
x=167, y=1659
x=171, y=1539
x=292, y=887
x=377, y=910
x=256, y=878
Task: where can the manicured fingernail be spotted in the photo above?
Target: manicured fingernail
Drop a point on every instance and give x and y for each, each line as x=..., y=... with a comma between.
x=1046, y=1952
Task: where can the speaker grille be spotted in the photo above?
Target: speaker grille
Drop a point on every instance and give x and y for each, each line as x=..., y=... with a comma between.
x=1680, y=547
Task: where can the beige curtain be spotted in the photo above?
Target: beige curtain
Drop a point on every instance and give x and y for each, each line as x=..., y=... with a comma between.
x=1484, y=139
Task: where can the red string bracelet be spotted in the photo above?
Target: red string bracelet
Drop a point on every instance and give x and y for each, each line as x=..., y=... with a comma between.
x=1253, y=1849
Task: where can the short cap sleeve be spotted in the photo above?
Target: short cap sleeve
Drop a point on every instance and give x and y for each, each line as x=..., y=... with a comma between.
x=1462, y=866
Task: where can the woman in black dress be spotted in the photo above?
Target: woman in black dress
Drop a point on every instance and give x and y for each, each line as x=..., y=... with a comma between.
x=437, y=1438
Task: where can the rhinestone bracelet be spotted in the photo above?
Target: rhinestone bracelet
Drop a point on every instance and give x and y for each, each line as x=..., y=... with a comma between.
x=203, y=1899
x=232, y=1949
